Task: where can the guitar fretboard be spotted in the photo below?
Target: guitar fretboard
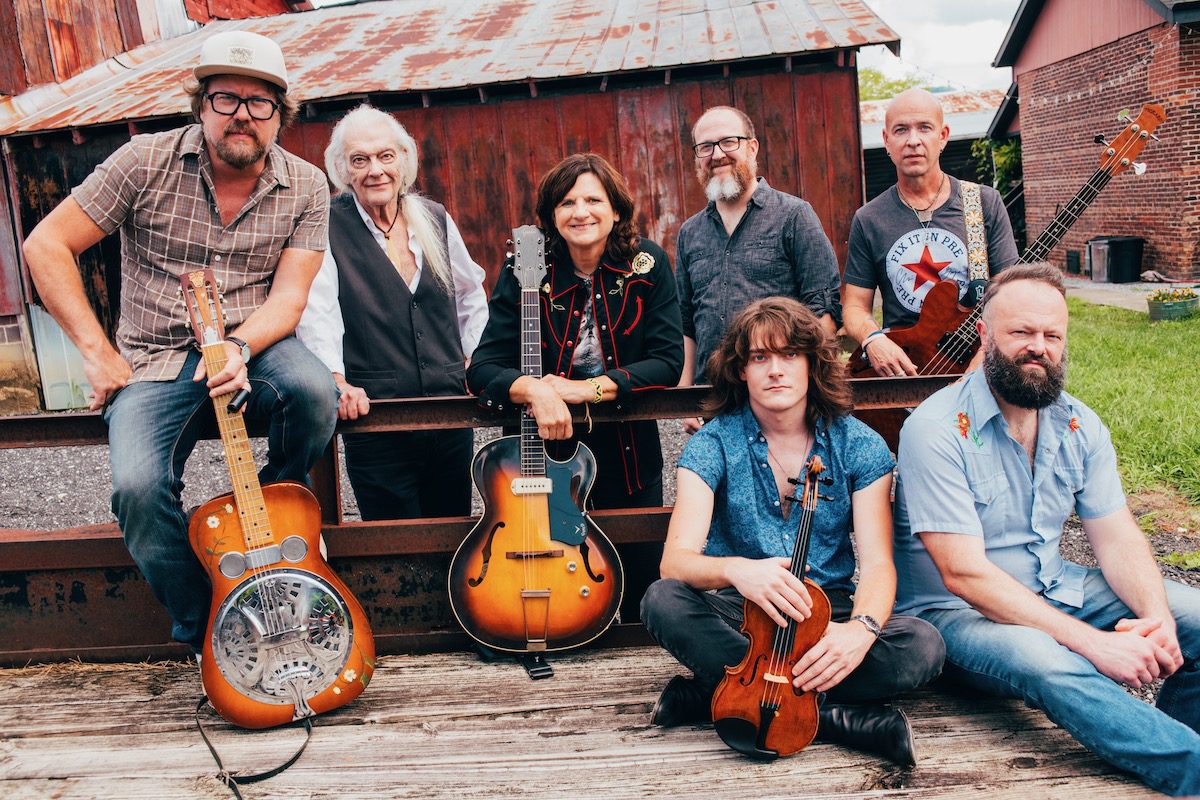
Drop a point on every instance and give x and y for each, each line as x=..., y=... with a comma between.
x=533, y=451
x=252, y=509
x=966, y=335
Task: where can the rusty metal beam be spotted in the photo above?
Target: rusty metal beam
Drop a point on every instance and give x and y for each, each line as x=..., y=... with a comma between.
x=619, y=635
x=101, y=546
x=411, y=414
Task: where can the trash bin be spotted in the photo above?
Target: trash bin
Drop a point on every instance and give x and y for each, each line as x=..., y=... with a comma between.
x=1115, y=259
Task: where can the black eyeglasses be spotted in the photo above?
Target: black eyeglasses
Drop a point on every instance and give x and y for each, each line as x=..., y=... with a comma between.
x=227, y=104
x=727, y=145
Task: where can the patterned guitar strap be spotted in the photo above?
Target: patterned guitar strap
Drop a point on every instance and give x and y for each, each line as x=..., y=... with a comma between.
x=977, y=251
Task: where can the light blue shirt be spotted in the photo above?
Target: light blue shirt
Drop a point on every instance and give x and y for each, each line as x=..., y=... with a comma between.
x=730, y=455
x=961, y=472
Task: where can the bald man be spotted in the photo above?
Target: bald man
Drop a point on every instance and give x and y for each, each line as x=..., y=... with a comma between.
x=914, y=235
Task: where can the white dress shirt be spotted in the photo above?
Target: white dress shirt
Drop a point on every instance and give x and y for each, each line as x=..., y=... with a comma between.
x=321, y=328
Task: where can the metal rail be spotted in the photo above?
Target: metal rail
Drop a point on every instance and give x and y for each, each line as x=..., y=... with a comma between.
x=75, y=593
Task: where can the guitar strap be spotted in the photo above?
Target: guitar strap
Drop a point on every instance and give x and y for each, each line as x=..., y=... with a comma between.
x=977, y=251
x=230, y=779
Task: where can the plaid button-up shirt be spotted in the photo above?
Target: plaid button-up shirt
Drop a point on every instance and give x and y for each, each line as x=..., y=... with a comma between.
x=158, y=189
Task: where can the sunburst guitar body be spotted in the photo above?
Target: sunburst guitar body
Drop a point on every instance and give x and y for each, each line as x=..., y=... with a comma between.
x=535, y=574
x=285, y=638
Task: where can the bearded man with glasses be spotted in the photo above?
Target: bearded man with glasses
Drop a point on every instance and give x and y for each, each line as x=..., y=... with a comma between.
x=749, y=242
x=221, y=195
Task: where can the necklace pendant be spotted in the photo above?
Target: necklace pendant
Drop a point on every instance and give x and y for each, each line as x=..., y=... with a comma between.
x=924, y=216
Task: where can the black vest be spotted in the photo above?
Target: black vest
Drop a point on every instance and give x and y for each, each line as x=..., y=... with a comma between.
x=397, y=343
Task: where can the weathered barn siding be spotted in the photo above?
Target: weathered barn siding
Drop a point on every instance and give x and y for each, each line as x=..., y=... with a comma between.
x=484, y=160
x=42, y=41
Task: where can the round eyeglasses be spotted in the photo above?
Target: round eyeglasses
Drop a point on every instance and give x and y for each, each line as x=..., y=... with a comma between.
x=227, y=104
x=727, y=145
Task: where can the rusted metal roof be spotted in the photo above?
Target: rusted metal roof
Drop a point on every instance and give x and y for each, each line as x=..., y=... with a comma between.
x=967, y=112
x=431, y=45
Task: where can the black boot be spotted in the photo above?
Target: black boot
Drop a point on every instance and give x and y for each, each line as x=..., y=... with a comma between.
x=877, y=729
x=682, y=702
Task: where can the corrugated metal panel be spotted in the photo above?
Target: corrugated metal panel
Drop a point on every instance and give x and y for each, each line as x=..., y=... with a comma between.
x=429, y=45
x=968, y=113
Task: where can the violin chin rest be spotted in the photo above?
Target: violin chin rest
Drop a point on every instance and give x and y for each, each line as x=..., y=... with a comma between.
x=742, y=736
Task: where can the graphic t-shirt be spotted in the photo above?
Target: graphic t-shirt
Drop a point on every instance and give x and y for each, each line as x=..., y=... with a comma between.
x=904, y=258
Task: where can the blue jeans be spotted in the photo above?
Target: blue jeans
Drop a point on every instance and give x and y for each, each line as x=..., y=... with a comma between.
x=1161, y=746
x=153, y=427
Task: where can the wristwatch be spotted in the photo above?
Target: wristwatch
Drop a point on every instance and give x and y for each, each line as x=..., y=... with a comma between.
x=244, y=347
x=869, y=622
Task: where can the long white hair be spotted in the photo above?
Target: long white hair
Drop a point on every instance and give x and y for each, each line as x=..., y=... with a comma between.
x=416, y=216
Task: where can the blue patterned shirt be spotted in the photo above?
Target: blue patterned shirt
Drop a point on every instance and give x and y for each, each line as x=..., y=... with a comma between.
x=730, y=455
x=961, y=472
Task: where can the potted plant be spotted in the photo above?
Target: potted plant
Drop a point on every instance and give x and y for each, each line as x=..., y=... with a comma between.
x=1172, y=303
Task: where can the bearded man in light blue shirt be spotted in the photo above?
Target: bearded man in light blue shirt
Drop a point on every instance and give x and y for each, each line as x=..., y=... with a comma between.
x=990, y=469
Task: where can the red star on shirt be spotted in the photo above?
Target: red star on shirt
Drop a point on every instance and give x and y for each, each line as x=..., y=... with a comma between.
x=926, y=270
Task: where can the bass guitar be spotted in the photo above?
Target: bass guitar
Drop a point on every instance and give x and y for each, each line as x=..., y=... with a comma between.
x=755, y=709
x=285, y=639
x=535, y=574
x=944, y=338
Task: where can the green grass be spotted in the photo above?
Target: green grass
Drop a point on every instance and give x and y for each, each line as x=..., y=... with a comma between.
x=1143, y=380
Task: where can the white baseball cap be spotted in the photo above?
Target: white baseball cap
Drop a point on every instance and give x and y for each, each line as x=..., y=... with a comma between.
x=242, y=53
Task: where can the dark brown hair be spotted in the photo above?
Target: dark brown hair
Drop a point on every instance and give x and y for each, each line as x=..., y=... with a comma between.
x=196, y=89
x=782, y=324
x=1038, y=271
x=623, y=240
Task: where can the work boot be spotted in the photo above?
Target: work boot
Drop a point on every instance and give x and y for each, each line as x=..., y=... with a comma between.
x=682, y=702
x=877, y=729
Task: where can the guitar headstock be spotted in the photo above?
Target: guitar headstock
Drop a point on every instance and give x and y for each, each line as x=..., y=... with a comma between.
x=1120, y=153
x=529, y=258
x=203, y=303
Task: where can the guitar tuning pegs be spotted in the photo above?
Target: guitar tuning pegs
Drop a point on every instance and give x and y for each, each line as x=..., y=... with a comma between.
x=1123, y=115
x=1139, y=168
x=827, y=481
x=508, y=242
x=1099, y=139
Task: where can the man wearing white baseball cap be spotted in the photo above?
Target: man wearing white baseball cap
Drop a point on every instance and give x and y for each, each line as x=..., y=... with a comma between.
x=218, y=194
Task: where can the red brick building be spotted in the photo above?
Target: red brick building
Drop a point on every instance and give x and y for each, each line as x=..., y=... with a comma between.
x=1076, y=65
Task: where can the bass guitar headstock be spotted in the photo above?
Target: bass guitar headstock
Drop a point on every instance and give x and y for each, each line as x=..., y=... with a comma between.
x=203, y=303
x=1119, y=154
x=529, y=256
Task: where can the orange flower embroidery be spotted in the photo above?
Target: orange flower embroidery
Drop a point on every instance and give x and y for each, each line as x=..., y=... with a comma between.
x=1073, y=424
x=964, y=424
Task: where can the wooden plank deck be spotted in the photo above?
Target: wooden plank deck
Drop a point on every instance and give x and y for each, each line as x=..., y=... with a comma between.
x=448, y=725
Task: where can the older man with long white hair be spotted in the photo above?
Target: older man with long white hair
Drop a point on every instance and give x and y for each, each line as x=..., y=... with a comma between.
x=396, y=311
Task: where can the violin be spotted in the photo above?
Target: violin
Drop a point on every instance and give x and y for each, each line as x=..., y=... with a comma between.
x=756, y=710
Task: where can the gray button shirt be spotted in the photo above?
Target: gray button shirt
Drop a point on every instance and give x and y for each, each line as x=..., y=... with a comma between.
x=777, y=248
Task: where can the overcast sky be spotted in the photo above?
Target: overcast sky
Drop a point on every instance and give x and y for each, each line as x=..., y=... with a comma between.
x=946, y=42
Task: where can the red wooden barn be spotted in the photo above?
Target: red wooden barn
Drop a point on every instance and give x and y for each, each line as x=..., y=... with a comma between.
x=495, y=92
x=1076, y=65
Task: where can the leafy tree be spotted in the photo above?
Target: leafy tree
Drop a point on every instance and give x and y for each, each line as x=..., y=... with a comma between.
x=998, y=161
x=874, y=85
